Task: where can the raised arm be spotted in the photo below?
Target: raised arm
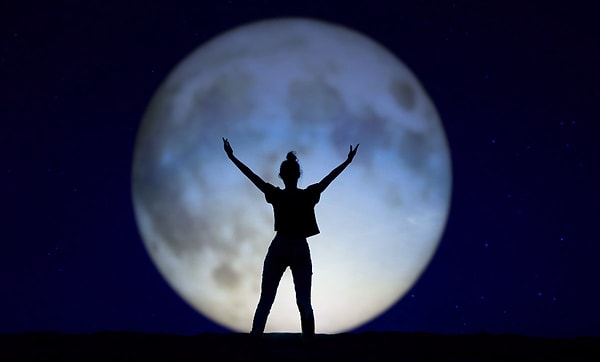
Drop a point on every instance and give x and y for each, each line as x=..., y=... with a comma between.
x=256, y=180
x=338, y=170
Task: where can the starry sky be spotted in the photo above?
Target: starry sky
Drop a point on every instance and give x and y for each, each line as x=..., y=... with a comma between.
x=516, y=87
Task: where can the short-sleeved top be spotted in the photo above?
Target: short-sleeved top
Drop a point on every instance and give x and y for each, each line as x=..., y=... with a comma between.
x=294, y=210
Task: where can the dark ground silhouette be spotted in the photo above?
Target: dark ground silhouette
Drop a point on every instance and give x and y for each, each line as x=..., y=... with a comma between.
x=366, y=346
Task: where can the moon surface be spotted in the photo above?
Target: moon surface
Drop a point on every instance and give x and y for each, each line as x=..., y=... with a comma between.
x=315, y=88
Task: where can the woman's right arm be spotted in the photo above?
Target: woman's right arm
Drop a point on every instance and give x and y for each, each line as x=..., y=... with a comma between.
x=256, y=180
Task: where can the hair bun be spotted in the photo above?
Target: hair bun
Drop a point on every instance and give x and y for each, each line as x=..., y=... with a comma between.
x=291, y=156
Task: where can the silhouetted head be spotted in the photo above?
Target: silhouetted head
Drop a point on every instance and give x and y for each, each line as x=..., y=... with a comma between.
x=289, y=171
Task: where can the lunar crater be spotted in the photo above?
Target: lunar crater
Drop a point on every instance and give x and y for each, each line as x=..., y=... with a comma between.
x=312, y=101
x=227, y=99
x=404, y=94
x=226, y=276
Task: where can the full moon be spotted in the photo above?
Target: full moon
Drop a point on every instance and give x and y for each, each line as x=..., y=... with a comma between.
x=315, y=88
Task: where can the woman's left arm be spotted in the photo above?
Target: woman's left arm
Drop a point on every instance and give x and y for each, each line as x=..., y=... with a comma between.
x=324, y=183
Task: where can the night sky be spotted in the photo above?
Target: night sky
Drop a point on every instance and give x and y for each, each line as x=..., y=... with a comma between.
x=517, y=89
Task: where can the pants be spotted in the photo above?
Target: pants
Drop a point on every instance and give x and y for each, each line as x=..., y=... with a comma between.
x=284, y=252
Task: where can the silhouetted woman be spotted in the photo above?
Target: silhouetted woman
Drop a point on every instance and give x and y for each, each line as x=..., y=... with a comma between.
x=294, y=222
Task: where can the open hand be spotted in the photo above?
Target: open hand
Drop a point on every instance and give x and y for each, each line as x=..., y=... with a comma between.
x=352, y=152
x=227, y=147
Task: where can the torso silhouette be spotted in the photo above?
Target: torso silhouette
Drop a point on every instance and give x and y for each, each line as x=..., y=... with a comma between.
x=294, y=210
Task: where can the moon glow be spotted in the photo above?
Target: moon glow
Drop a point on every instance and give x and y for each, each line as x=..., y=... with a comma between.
x=315, y=88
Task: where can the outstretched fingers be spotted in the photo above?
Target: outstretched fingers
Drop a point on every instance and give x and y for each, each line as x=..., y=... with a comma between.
x=227, y=146
x=352, y=151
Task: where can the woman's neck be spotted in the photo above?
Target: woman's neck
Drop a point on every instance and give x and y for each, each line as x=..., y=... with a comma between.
x=291, y=185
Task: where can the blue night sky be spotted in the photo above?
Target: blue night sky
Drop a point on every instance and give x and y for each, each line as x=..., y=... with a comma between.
x=516, y=87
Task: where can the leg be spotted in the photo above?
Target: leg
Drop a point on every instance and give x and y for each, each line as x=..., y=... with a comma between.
x=302, y=274
x=272, y=271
